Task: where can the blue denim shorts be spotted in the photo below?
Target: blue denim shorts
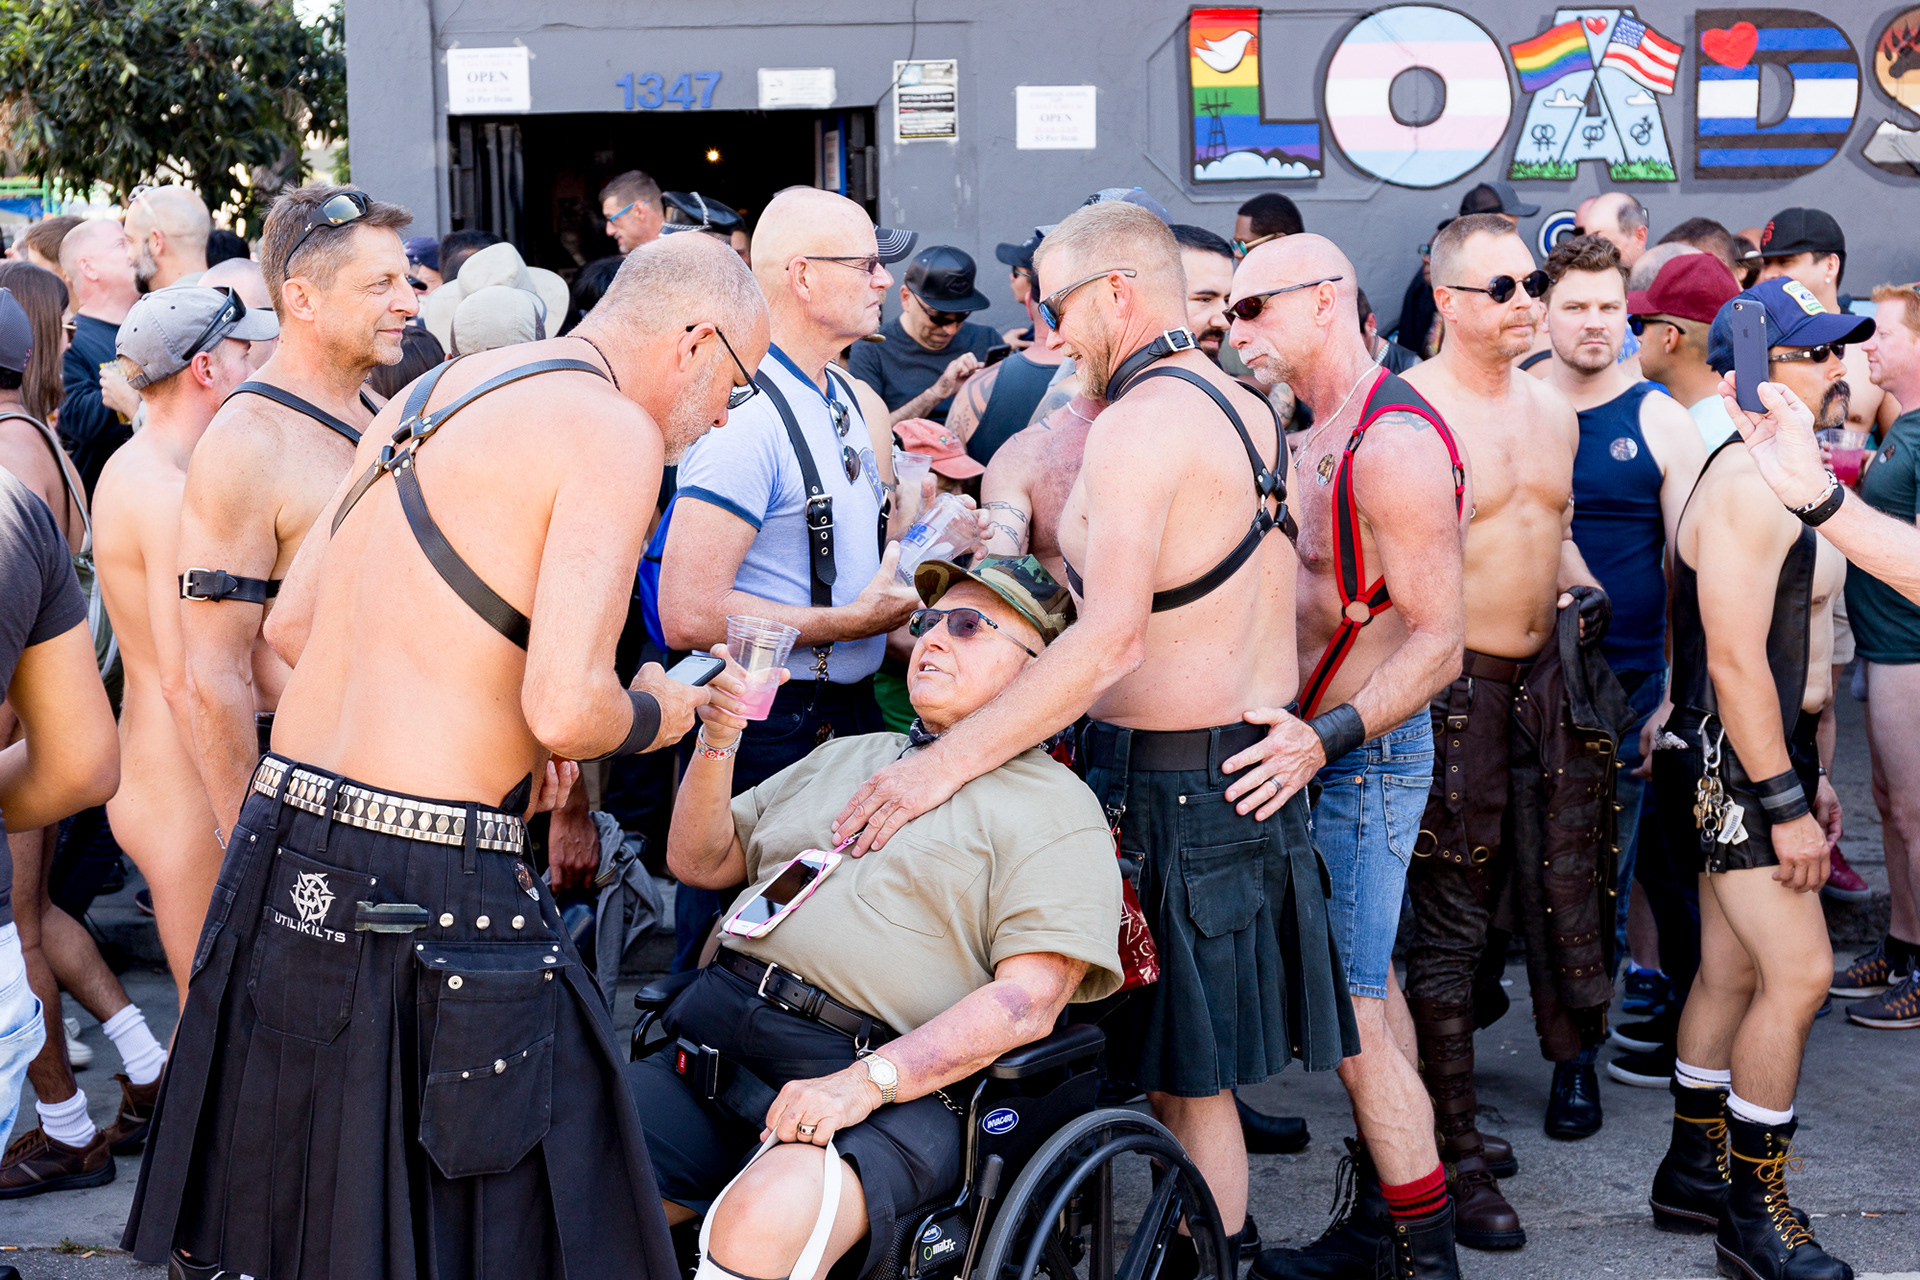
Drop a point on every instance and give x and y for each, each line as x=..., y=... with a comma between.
x=1365, y=826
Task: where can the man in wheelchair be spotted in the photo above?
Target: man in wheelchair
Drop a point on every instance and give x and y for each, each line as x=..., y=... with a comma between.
x=895, y=976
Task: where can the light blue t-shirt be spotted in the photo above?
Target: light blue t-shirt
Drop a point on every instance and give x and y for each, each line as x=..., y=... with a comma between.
x=1715, y=423
x=748, y=468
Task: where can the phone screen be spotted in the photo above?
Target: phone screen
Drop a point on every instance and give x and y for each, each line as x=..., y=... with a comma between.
x=997, y=353
x=785, y=888
x=1748, y=320
x=696, y=669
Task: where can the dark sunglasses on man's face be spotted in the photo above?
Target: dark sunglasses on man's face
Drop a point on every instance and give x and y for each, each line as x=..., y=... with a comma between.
x=943, y=319
x=1250, y=307
x=334, y=211
x=1049, y=306
x=1813, y=355
x=1500, y=288
x=1638, y=324
x=962, y=624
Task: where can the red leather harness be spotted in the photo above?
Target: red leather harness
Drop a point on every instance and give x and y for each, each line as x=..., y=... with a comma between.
x=1360, y=605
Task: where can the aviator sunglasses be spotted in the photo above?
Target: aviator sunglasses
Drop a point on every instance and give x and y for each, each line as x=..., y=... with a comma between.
x=1500, y=288
x=1250, y=307
x=962, y=624
x=1049, y=307
x=334, y=211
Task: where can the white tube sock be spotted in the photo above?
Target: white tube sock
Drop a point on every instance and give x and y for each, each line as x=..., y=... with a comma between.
x=1755, y=1114
x=140, y=1052
x=1692, y=1077
x=67, y=1122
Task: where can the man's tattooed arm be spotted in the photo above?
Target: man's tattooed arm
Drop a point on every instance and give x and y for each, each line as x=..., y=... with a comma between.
x=1008, y=536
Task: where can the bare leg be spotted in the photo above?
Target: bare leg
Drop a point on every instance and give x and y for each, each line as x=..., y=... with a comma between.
x=1643, y=935
x=50, y=1072
x=1209, y=1129
x=173, y=845
x=69, y=949
x=1784, y=935
x=1891, y=717
x=1400, y=1022
x=1722, y=989
x=1390, y=1104
x=764, y=1223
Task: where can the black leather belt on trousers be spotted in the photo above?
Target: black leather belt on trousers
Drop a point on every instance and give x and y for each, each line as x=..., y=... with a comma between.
x=787, y=990
x=1169, y=751
x=1483, y=666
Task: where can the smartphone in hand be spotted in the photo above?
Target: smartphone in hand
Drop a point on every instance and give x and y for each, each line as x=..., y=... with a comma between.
x=696, y=669
x=1748, y=321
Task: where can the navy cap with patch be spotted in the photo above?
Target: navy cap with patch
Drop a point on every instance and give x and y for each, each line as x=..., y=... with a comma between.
x=1795, y=318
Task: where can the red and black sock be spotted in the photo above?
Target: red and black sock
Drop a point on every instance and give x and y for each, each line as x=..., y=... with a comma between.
x=1421, y=1198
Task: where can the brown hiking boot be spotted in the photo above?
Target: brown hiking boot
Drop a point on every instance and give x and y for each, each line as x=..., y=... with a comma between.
x=1482, y=1218
x=36, y=1163
x=128, y=1132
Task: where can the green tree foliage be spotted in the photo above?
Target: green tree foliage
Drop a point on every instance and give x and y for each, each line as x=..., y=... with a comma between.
x=212, y=92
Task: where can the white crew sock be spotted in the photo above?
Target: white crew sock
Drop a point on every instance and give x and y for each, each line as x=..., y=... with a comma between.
x=1755, y=1114
x=140, y=1052
x=67, y=1122
x=1692, y=1077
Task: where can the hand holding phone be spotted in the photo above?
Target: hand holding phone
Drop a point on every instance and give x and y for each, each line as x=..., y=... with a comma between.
x=996, y=353
x=697, y=669
x=1748, y=321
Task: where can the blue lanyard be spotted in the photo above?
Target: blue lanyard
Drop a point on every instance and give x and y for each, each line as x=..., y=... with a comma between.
x=837, y=413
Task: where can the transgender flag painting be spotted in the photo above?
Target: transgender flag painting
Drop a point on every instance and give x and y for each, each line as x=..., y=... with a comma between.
x=1231, y=139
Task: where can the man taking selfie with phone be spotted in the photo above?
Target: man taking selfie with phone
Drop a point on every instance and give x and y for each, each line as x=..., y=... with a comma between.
x=1738, y=781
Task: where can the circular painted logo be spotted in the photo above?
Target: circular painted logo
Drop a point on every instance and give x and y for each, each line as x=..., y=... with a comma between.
x=1554, y=228
x=1624, y=450
x=1896, y=59
x=1000, y=1121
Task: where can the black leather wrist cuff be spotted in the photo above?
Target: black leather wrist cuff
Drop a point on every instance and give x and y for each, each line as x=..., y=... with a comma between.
x=1820, y=512
x=645, y=727
x=1339, y=730
x=1783, y=797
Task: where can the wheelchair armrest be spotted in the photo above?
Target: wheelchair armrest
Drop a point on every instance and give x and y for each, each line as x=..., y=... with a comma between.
x=1072, y=1044
x=659, y=993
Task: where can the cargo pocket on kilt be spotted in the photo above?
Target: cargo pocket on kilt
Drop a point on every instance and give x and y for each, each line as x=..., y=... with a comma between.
x=489, y=1094
x=307, y=958
x=1225, y=882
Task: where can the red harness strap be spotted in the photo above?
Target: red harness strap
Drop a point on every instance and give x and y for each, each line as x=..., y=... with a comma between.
x=1360, y=605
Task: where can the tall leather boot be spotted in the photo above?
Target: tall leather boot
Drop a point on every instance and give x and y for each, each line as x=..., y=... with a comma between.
x=1760, y=1236
x=1347, y=1249
x=1690, y=1189
x=1482, y=1218
x=1421, y=1249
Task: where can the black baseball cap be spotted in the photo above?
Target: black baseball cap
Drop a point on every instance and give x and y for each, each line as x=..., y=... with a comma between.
x=1496, y=197
x=16, y=334
x=1020, y=255
x=942, y=278
x=1797, y=230
x=691, y=211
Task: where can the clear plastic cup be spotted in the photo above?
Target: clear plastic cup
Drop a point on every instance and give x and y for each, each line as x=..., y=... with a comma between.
x=909, y=478
x=945, y=530
x=1846, y=452
x=761, y=648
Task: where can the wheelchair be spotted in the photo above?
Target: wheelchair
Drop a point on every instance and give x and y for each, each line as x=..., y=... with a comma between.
x=1043, y=1164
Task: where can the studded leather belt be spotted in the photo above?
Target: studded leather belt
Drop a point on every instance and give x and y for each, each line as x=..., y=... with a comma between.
x=371, y=810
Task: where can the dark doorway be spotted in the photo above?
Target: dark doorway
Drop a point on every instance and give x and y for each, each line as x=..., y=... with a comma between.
x=535, y=180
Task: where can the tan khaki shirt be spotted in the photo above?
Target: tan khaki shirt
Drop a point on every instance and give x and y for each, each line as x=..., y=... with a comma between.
x=1018, y=861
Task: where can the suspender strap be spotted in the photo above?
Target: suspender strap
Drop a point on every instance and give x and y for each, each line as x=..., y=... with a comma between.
x=398, y=458
x=1359, y=604
x=281, y=396
x=821, y=571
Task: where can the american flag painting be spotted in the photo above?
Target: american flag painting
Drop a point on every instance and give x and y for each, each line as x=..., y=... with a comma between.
x=1643, y=54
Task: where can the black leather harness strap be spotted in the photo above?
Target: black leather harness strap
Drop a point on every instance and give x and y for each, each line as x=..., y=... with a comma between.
x=821, y=570
x=217, y=584
x=397, y=458
x=280, y=395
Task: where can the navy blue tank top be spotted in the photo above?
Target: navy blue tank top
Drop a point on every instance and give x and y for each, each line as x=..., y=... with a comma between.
x=1617, y=526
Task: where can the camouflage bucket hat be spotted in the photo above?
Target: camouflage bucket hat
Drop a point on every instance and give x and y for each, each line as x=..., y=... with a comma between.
x=1022, y=583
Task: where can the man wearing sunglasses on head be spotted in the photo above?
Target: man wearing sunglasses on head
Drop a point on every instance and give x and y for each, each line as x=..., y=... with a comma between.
x=382, y=963
x=1526, y=728
x=1176, y=540
x=273, y=456
x=760, y=528
x=1742, y=803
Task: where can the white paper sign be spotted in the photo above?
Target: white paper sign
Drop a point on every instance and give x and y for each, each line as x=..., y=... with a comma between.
x=926, y=101
x=485, y=81
x=796, y=87
x=1054, y=117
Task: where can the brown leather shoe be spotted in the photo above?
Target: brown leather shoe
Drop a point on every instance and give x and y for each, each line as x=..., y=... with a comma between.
x=128, y=1132
x=1482, y=1218
x=36, y=1163
x=1499, y=1153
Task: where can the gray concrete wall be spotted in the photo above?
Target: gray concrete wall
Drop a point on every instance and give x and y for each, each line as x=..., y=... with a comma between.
x=981, y=189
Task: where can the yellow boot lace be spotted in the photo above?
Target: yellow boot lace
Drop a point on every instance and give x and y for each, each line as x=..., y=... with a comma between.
x=1772, y=1172
x=1716, y=1133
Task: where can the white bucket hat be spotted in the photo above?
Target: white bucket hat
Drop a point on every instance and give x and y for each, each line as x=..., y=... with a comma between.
x=495, y=265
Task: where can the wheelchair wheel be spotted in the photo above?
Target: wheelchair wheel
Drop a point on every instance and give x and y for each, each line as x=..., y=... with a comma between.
x=1060, y=1212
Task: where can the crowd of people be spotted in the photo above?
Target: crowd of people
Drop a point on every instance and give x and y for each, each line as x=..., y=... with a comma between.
x=1249, y=621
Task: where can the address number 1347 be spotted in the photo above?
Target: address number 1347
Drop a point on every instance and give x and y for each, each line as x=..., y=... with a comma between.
x=693, y=90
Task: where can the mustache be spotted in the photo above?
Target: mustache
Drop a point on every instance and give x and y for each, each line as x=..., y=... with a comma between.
x=1839, y=397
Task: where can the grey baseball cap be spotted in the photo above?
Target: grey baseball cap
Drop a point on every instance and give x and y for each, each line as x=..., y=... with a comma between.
x=166, y=329
x=16, y=334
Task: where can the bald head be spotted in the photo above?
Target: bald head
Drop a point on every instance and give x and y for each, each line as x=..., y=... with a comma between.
x=1304, y=334
x=803, y=222
x=675, y=281
x=1618, y=217
x=1296, y=259
x=1652, y=260
x=93, y=258
x=167, y=230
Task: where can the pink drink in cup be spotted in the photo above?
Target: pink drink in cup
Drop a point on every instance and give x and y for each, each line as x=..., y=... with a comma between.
x=761, y=648
x=1846, y=453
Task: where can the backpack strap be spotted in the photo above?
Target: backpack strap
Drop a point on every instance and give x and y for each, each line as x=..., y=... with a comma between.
x=279, y=395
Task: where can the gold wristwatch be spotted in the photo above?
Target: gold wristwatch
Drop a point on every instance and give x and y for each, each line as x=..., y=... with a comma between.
x=885, y=1076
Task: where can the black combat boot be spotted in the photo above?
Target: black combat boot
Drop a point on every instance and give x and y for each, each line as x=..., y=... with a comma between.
x=1346, y=1250
x=1760, y=1236
x=1573, y=1105
x=1420, y=1249
x=1690, y=1189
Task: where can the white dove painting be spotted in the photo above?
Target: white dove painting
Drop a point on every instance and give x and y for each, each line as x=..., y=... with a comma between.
x=1232, y=140
x=1224, y=54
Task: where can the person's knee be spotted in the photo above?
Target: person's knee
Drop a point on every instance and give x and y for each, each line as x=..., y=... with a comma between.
x=777, y=1196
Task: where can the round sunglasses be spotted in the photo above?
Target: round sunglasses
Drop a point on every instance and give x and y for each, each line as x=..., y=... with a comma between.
x=1501, y=288
x=962, y=624
x=1250, y=307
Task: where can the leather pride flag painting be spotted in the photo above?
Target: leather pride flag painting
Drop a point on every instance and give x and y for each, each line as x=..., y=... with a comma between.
x=1232, y=141
x=1729, y=140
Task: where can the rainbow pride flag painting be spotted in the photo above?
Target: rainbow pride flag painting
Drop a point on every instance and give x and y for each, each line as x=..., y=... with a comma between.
x=1232, y=139
x=1559, y=51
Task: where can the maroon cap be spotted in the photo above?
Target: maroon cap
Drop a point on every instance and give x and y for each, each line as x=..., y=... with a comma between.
x=1693, y=286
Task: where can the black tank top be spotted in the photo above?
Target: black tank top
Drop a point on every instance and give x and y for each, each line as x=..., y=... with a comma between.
x=1017, y=390
x=1787, y=637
